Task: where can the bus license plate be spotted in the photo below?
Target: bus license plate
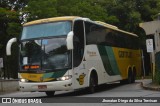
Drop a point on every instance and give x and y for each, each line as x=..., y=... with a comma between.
x=42, y=86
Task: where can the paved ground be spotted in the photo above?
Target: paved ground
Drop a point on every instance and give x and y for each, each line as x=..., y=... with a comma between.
x=132, y=92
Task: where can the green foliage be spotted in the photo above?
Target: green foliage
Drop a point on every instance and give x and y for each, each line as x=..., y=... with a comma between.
x=157, y=77
x=148, y=9
x=14, y=29
x=10, y=26
x=112, y=20
x=37, y=9
x=13, y=4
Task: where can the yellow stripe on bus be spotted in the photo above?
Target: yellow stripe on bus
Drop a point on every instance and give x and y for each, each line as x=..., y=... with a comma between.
x=35, y=77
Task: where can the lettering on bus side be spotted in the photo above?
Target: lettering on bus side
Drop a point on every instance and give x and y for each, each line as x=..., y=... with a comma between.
x=91, y=53
x=125, y=54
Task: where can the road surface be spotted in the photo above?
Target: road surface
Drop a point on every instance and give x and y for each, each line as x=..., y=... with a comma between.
x=103, y=92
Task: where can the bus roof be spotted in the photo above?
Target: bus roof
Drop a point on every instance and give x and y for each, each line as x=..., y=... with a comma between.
x=65, y=18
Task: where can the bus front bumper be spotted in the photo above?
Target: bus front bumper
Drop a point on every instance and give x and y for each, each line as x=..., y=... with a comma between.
x=46, y=86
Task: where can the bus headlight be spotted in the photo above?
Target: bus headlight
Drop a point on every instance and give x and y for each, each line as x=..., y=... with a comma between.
x=23, y=80
x=67, y=77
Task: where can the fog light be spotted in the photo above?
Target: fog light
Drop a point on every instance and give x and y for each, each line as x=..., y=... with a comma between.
x=23, y=80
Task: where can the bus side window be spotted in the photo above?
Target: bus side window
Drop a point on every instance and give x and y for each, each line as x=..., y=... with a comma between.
x=78, y=43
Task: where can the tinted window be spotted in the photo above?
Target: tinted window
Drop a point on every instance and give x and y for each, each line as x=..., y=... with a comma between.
x=78, y=41
x=96, y=34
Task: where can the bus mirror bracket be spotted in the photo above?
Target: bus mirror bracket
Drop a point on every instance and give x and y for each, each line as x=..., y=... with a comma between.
x=9, y=44
x=69, y=40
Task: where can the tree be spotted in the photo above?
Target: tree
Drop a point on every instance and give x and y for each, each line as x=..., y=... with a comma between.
x=10, y=26
x=13, y=4
x=148, y=9
x=38, y=9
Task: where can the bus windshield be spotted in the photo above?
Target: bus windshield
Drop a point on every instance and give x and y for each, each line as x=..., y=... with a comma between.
x=44, y=54
x=43, y=47
x=46, y=30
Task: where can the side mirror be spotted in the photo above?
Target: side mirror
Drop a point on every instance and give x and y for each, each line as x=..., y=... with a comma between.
x=69, y=40
x=9, y=44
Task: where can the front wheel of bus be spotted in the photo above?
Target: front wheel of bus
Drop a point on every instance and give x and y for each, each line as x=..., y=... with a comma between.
x=50, y=93
x=92, y=84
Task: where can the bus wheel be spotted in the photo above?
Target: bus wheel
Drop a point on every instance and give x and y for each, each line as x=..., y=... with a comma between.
x=123, y=81
x=92, y=84
x=129, y=80
x=50, y=93
x=134, y=75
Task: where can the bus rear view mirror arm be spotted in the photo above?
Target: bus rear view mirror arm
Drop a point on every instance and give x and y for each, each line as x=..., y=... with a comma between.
x=9, y=44
x=69, y=40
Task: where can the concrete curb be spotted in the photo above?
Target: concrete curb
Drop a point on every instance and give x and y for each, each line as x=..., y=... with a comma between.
x=9, y=86
x=147, y=87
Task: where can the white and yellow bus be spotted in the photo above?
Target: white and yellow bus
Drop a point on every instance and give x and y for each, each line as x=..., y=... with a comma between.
x=70, y=53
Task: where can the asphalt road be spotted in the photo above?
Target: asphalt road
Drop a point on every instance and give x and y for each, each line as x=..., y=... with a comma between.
x=120, y=92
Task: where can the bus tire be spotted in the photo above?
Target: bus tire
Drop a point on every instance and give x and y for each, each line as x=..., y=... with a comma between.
x=134, y=75
x=92, y=83
x=124, y=81
x=50, y=93
x=129, y=80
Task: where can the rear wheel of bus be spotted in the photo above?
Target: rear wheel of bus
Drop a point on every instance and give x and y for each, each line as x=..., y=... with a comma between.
x=134, y=75
x=129, y=80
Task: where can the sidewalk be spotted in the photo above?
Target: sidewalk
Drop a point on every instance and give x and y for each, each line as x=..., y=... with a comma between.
x=148, y=85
